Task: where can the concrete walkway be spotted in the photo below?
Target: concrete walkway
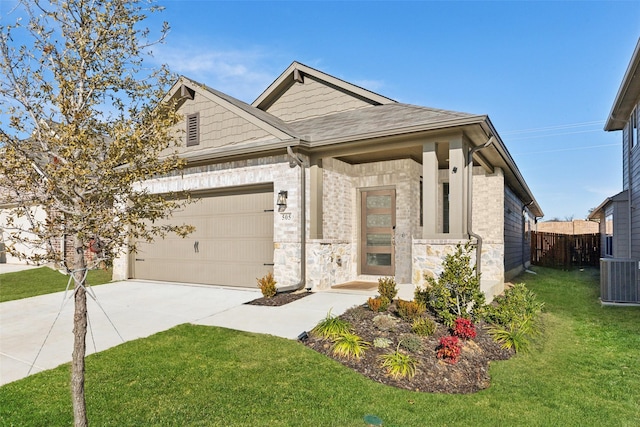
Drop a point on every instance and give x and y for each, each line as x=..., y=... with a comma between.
x=139, y=309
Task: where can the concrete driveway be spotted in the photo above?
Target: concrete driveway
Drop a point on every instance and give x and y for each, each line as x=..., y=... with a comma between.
x=139, y=309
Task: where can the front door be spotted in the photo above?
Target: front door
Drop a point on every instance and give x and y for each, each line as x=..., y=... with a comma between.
x=378, y=220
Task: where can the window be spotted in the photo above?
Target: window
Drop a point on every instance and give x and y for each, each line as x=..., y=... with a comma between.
x=421, y=201
x=445, y=207
x=633, y=129
x=193, y=129
x=608, y=235
x=636, y=135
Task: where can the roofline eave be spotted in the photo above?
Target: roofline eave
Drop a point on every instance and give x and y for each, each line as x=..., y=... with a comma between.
x=628, y=91
x=511, y=164
x=439, y=126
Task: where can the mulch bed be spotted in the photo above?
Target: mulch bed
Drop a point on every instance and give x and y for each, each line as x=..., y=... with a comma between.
x=470, y=374
x=280, y=299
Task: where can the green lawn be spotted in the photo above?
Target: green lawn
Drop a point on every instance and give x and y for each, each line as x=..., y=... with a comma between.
x=585, y=371
x=43, y=280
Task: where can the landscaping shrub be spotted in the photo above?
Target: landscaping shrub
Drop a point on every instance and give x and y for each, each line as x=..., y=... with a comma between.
x=423, y=326
x=385, y=322
x=267, y=285
x=409, y=310
x=457, y=292
x=378, y=304
x=399, y=365
x=516, y=304
x=387, y=288
x=349, y=346
x=464, y=329
x=449, y=349
x=515, y=335
x=331, y=327
x=381, y=342
x=410, y=342
x=516, y=318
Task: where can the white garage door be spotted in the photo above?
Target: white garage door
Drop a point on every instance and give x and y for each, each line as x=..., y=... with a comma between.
x=232, y=244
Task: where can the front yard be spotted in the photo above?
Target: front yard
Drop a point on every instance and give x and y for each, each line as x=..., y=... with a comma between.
x=585, y=370
x=43, y=280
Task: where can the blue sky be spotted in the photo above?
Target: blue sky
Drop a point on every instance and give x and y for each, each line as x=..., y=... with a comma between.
x=546, y=73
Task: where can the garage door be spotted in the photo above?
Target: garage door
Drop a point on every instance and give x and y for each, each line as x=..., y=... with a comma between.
x=232, y=244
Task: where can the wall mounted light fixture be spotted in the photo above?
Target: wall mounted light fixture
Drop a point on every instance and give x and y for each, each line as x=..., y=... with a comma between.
x=282, y=199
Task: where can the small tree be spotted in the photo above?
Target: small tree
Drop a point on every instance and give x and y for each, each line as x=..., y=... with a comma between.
x=81, y=129
x=456, y=293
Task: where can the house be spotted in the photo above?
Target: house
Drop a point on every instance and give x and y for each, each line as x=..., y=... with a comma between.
x=619, y=215
x=15, y=227
x=324, y=182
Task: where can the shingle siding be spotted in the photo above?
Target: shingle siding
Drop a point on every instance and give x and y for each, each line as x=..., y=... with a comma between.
x=312, y=99
x=218, y=126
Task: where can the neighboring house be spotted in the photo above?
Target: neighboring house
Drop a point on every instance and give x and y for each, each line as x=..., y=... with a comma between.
x=324, y=182
x=619, y=215
x=22, y=222
x=573, y=227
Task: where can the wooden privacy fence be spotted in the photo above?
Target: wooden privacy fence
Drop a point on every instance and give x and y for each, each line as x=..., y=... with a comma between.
x=565, y=250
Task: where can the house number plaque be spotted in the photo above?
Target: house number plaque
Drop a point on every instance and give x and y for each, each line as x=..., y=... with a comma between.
x=286, y=216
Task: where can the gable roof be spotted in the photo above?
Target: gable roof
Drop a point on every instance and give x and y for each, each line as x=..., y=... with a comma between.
x=296, y=73
x=622, y=196
x=628, y=94
x=370, y=127
x=264, y=120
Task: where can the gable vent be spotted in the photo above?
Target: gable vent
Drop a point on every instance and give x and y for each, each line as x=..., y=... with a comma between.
x=186, y=92
x=193, y=129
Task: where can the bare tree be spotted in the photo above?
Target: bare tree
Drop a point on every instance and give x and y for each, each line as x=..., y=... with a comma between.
x=81, y=129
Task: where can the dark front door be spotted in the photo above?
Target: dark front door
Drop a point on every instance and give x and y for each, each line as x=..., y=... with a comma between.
x=378, y=220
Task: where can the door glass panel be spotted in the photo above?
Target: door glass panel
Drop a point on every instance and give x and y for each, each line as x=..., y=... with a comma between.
x=377, y=202
x=378, y=259
x=379, y=220
x=378, y=239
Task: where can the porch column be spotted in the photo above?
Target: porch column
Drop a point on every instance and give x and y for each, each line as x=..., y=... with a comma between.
x=457, y=187
x=429, y=190
x=315, y=199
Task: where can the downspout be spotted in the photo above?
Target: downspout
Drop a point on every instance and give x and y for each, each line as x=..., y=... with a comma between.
x=524, y=225
x=303, y=226
x=470, y=232
x=629, y=188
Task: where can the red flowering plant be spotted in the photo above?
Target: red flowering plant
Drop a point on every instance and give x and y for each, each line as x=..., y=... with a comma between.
x=449, y=349
x=464, y=329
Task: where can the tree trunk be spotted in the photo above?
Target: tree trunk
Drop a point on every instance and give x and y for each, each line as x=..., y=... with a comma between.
x=79, y=338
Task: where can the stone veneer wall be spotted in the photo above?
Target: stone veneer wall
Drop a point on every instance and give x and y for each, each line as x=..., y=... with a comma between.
x=487, y=221
x=428, y=256
x=334, y=259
